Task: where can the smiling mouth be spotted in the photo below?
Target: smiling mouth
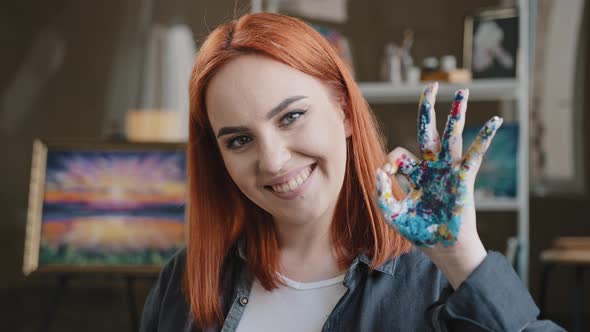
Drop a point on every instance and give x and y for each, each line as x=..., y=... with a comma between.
x=294, y=183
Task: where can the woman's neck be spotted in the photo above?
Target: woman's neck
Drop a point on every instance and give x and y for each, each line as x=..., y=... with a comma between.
x=307, y=252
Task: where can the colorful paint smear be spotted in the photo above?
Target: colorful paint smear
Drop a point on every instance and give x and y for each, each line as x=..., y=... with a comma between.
x=427, y=134
x=431, y=212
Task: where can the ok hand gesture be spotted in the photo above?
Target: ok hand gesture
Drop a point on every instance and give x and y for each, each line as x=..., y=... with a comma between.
x=439, y=208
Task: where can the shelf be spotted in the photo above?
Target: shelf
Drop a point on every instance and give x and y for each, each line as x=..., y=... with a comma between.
x=482, y=90
x=497, y=204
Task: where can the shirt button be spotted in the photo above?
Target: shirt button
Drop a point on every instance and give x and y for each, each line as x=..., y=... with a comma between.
x=243, y=300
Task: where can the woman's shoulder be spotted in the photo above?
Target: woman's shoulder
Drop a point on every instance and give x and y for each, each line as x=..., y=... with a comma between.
x=173, y=268
x=415, y=268
x=414, y=260
x=165, y=304
x=410, y=269
x=168, y=286
x=178, y=259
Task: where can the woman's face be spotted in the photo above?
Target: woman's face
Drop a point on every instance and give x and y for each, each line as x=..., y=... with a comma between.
x=282, y=137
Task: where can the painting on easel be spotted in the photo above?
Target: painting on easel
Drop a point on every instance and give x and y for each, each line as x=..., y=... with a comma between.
x=105, y=206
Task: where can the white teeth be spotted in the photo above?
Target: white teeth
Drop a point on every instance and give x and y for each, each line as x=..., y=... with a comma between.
x=293, y=183
x=299, y=180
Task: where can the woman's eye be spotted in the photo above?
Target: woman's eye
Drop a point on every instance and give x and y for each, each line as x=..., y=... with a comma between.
x=238, y=142
x=291, y=117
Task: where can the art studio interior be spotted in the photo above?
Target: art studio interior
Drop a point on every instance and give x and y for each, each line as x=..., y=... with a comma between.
x=95, y=111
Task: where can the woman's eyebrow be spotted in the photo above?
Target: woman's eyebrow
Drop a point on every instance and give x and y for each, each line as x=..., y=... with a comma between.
x=231, y=130
x=275, y=110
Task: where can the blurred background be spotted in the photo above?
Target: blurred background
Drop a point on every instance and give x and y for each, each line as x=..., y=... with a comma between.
x=108, y=81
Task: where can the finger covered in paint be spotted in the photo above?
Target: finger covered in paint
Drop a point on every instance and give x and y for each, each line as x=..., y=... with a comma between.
x=474, y=156
x=428, y=139
x=452, y=141
x=401, y=160
x=388, y=205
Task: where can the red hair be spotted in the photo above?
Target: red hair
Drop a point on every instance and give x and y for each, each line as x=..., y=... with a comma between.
x=219, y=213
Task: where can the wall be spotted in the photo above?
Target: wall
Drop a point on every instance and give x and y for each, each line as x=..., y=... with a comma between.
x=73, y=105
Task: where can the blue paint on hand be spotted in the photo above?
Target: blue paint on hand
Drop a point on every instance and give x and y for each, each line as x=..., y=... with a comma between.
x=431, y=212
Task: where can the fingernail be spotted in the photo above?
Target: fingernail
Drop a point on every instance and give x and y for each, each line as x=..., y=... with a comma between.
x=387, y=168
x=390, y=169
x=434, y=88
x=430, y=87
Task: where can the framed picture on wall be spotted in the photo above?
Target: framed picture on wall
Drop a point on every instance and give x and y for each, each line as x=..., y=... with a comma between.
x=490, y=43
x=110, y=207
x=497, y=176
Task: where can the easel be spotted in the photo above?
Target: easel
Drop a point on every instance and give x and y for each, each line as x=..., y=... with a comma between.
x=63, y=280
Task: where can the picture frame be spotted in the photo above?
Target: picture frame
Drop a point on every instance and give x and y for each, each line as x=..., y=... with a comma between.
x=491, y=43
x=98, y=206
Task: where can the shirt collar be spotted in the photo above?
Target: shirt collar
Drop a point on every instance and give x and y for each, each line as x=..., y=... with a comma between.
x=360, y=267
x=388, y=267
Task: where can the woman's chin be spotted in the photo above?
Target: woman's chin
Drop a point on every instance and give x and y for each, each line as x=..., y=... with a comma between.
x=299, y=219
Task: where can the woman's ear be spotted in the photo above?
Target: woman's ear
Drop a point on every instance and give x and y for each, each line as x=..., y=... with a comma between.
x=345, y=118
x=347, y=127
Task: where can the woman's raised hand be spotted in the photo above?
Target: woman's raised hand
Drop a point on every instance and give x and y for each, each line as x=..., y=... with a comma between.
x=439, y=207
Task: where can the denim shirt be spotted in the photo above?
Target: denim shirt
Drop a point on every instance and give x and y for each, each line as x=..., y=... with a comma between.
x=407, y=293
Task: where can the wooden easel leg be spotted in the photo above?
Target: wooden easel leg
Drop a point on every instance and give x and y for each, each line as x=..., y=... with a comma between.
x=58, y=292
x=132, y=305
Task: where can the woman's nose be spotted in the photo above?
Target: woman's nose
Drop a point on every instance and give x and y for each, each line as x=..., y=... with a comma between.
x=274, y=154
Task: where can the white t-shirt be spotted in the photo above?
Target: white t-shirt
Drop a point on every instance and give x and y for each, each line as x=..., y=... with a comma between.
x=301, y=307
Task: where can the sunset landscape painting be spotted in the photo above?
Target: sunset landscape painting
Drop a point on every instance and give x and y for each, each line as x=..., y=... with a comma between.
x=112, y=208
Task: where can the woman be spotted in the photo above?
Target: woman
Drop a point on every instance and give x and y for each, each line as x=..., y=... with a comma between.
x=292, y=225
